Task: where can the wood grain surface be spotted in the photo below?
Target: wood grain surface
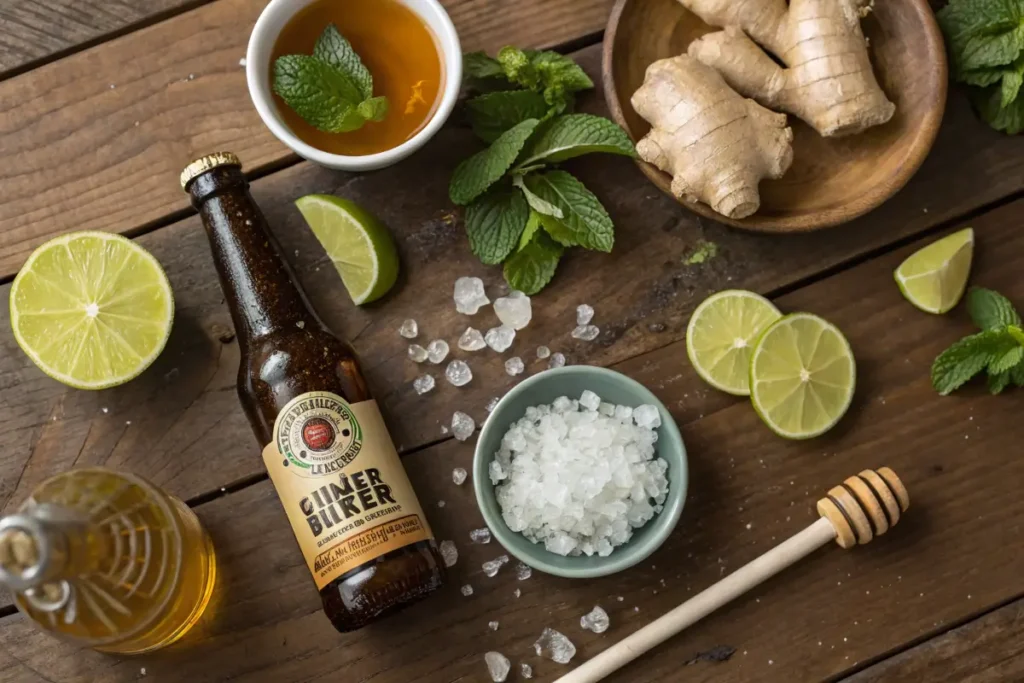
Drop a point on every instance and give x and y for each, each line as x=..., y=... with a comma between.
x=34, y=30
x=749, y=490
x=167, y=422
x=988, y=649
x=98, y=139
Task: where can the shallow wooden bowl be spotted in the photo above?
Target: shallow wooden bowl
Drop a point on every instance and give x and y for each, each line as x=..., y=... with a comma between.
x=832, y=180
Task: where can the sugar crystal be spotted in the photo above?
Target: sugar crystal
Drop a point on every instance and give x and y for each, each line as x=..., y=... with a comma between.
x=459, y=476
x=467, y=590
x=498, y=666
x=596, y=620
x=586, y=332
x=481, y=536
x=463, y=426
x=449, y=553
x=555, y=646
x=472, y=340
x=500, y=338
x=417, y=354
x=557, y=361
x=491, y=567
x=493, y=625
x=514, y=366
x=590, y=400
x=525, y=670
x=543, y=352
x=469, y=295
x=409, y=329
x=437, y=351
x=458, y=373
x=423, y=384
x=491, y=404
x=523, y=572
x=647, y=416
x=514, y=310
x=584, y=314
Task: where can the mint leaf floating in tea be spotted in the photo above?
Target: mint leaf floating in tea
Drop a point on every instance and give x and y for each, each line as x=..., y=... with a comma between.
x=331, y=89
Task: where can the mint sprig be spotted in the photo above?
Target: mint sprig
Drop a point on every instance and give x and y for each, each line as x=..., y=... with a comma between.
x=998, y=349
x=520, y=210
x=331, y=89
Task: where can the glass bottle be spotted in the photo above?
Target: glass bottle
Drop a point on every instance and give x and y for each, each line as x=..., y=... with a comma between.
x=107, y=560
x=351, y=506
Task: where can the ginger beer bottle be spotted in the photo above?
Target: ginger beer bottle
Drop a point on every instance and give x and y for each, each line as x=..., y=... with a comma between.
x=107, y=560
x=351, y=506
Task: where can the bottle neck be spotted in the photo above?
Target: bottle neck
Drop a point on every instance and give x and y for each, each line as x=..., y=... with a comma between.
x=44, y=544
x=261, y=290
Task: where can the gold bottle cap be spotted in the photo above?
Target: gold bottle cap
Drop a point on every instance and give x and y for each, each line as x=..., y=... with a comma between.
x=204, y=164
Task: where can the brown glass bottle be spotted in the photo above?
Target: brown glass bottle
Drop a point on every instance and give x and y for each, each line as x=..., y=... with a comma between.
x=353, y=512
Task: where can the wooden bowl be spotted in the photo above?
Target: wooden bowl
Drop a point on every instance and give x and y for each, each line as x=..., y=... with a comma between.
x=832, y=180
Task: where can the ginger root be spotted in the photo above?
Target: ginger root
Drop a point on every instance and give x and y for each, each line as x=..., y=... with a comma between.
x=828, y=83
x=716, y=145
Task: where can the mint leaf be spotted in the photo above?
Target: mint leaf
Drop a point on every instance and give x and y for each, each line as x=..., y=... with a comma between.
x=531, y=268
x=332, y=48
x=494, y=223
x=557, y=230
x=575, y=135
x=479, y=65
x=1015, y=332
x=990, y=310
x=536, y=203
x=583, y=215
x=982, y=77
x=321, y=95
x=477, y=173
x=969, y=356
x=1017, y=375
x=561, y=78
x=532, y=226
x=494, y=113
x=982, y=33
x=989, y=104
x=1012, y=79
x=996, y=383
x=516, y=66
x=1006, y=361
x=373, y=109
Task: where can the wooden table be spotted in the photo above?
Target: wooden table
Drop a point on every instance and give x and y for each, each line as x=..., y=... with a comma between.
x=103, y=102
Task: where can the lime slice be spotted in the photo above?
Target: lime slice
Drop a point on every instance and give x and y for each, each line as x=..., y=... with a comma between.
x=802, y=376
x=358, y=244
x=935, y=277
x=721, y=334
x=91, y=309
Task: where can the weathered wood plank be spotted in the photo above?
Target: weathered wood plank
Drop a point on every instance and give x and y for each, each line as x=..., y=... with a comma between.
x=989, y=649
x=957, y=456
x=96, y=141
x=31, y=30
x=168, y=422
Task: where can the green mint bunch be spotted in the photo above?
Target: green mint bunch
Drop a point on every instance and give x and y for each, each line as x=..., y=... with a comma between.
x=986, y=40
x=521, y=210
x=332, y=89
x=998, y=349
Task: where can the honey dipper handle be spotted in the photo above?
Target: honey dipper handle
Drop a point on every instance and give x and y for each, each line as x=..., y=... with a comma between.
x=699, y=606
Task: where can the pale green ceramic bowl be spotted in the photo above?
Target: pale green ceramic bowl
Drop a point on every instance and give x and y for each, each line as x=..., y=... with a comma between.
x=615, y=388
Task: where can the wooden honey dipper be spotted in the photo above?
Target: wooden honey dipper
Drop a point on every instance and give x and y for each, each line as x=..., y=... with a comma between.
x=852, y=513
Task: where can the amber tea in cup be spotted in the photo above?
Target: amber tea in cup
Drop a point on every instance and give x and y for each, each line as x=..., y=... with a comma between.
x=400, y=51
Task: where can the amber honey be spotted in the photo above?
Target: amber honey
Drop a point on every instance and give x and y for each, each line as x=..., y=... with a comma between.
x=398, y=48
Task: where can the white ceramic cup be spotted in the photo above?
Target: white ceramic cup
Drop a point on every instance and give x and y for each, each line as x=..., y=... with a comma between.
x=258, y=69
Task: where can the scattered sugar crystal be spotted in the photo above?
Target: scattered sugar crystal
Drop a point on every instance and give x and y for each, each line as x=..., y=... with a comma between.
x=517, y=592
x=467, y=590
x=514, y=310
x=584, y=314
x=472, y=340
x=555, y=646
x=491, y=567
x=557, y=361
x=590, y=400
x=525, y=670
x=498, y=666
x=543, y=352
x=417, y=354
x=449, y=553
x=500, y=338
x=444, y=429
x=481, y=536
x=515, y=366
x=423, y=384
x=523, y=571
x=596, y=620
x=493, y=625
x=458, y=373
x=577, y=480
x=409, y=329
x=469, y=295
x=459, y=476
x=437, y=351
x=440, y=503
x=242, y=62
x=491, y=404
x=463, y=426
x=586, y=332
x=647, y=416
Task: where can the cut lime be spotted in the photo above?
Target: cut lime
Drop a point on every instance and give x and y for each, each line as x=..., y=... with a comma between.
x=358, y=244
x=934, y=278
x=91, y=309
x=721, y=334
x=802, y=376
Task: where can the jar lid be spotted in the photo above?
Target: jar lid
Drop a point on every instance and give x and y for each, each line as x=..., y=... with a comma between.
x=205, y=163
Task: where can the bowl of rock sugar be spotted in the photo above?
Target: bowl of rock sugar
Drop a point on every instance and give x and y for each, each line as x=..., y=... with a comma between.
x=580, y=472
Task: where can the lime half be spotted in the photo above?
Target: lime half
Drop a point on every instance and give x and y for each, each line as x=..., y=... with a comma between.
x=358, y=244
x=721, y=335
x=802, y=376
x=934, y=278
x=91, y=309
